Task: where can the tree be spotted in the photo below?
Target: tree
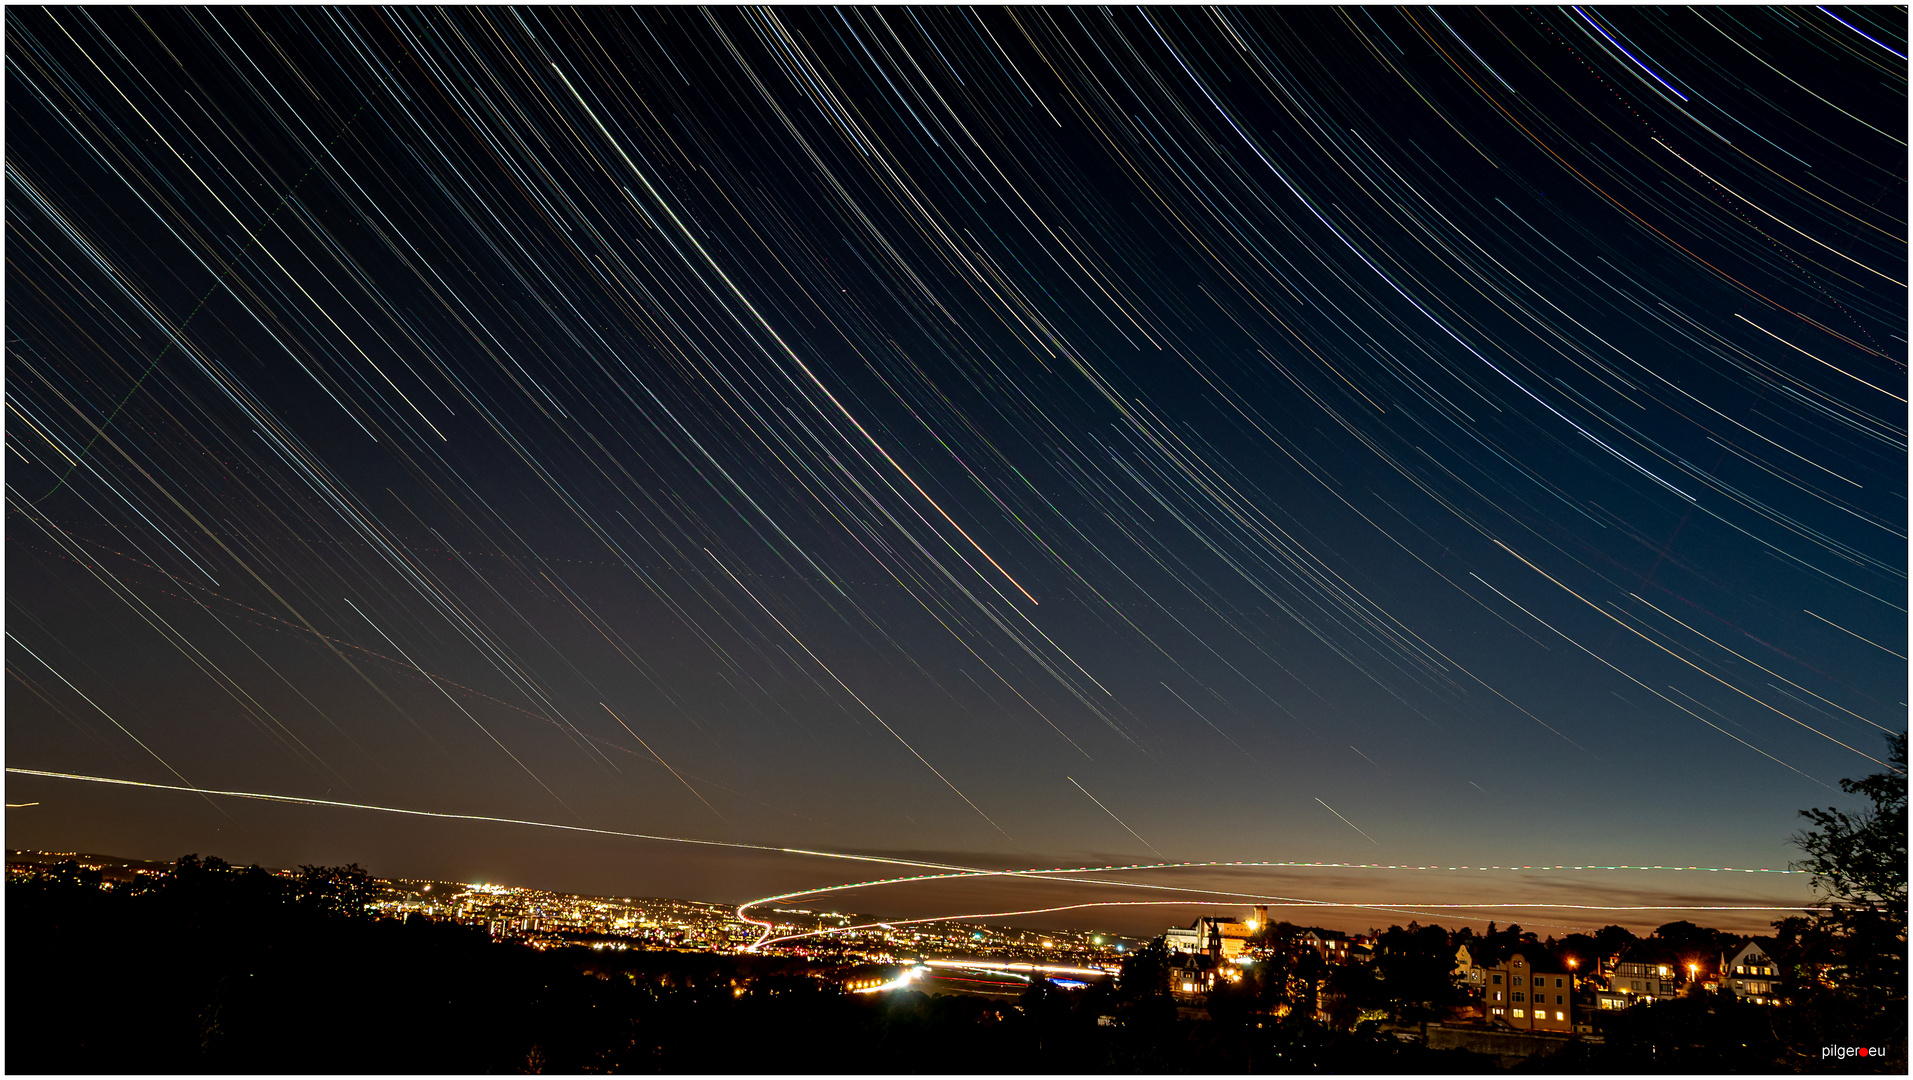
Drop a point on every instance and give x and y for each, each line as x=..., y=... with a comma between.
x=1349, y=991
x=1689, y=944
x=1845, y=966
x=1417, y=966
x=70, y=874
x=1496, y=946
x=1579, y=952
x=1146, y=973
x=1613, y=940
x=1858, y=861
x=1706, y=1033
x=337, y=890
x=1283, y=977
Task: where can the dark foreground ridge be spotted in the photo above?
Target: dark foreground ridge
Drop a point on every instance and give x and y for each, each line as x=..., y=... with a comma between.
x=213, y=968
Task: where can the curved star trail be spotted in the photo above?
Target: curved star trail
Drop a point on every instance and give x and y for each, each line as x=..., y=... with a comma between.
x=904, y=422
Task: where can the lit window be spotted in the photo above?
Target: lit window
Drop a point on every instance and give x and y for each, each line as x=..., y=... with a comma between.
x=1518, y=1014
x=1559, y=1015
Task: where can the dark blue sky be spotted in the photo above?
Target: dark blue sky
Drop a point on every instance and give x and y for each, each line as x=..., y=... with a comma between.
x=1019, y=438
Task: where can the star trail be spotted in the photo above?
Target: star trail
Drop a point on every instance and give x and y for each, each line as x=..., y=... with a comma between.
x=873, y=430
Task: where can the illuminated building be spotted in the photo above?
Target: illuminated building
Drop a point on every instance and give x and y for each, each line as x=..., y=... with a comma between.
x=546, y=919
x=1231, y=936
x=1467, y=972
x=1529, y=998
x=1208, y=951
x=1195, y=973
x=1643, y=974
x=1751, y=974
x=1333, y=946
x=1610, y=999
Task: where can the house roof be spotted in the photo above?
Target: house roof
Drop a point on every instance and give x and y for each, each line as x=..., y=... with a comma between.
x=1762, y=945
x=1541, y=961
x=1648, y=952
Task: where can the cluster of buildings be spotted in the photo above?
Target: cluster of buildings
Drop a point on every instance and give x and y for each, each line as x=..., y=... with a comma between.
x=1215, y=948
x=880, y=953
x=1522, y=993
x=1529, y=991
x=861, y=938
x=547, y=919
x=1748, y=973
x=28, y=863
x=544, y=919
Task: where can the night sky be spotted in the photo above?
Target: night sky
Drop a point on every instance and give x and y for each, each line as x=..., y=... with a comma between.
x=1006, y=439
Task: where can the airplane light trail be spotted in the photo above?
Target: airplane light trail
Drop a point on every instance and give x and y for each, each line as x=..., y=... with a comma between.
x=300, y=800
x=1394, y=908
x=1053, y=875
x=966, y=870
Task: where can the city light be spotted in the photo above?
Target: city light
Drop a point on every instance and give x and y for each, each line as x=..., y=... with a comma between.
x=909, y=976
x=1492, y=417
x=992, y=965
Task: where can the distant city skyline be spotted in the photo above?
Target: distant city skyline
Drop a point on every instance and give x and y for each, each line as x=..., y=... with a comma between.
x=732, y=453
x=819, y=925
